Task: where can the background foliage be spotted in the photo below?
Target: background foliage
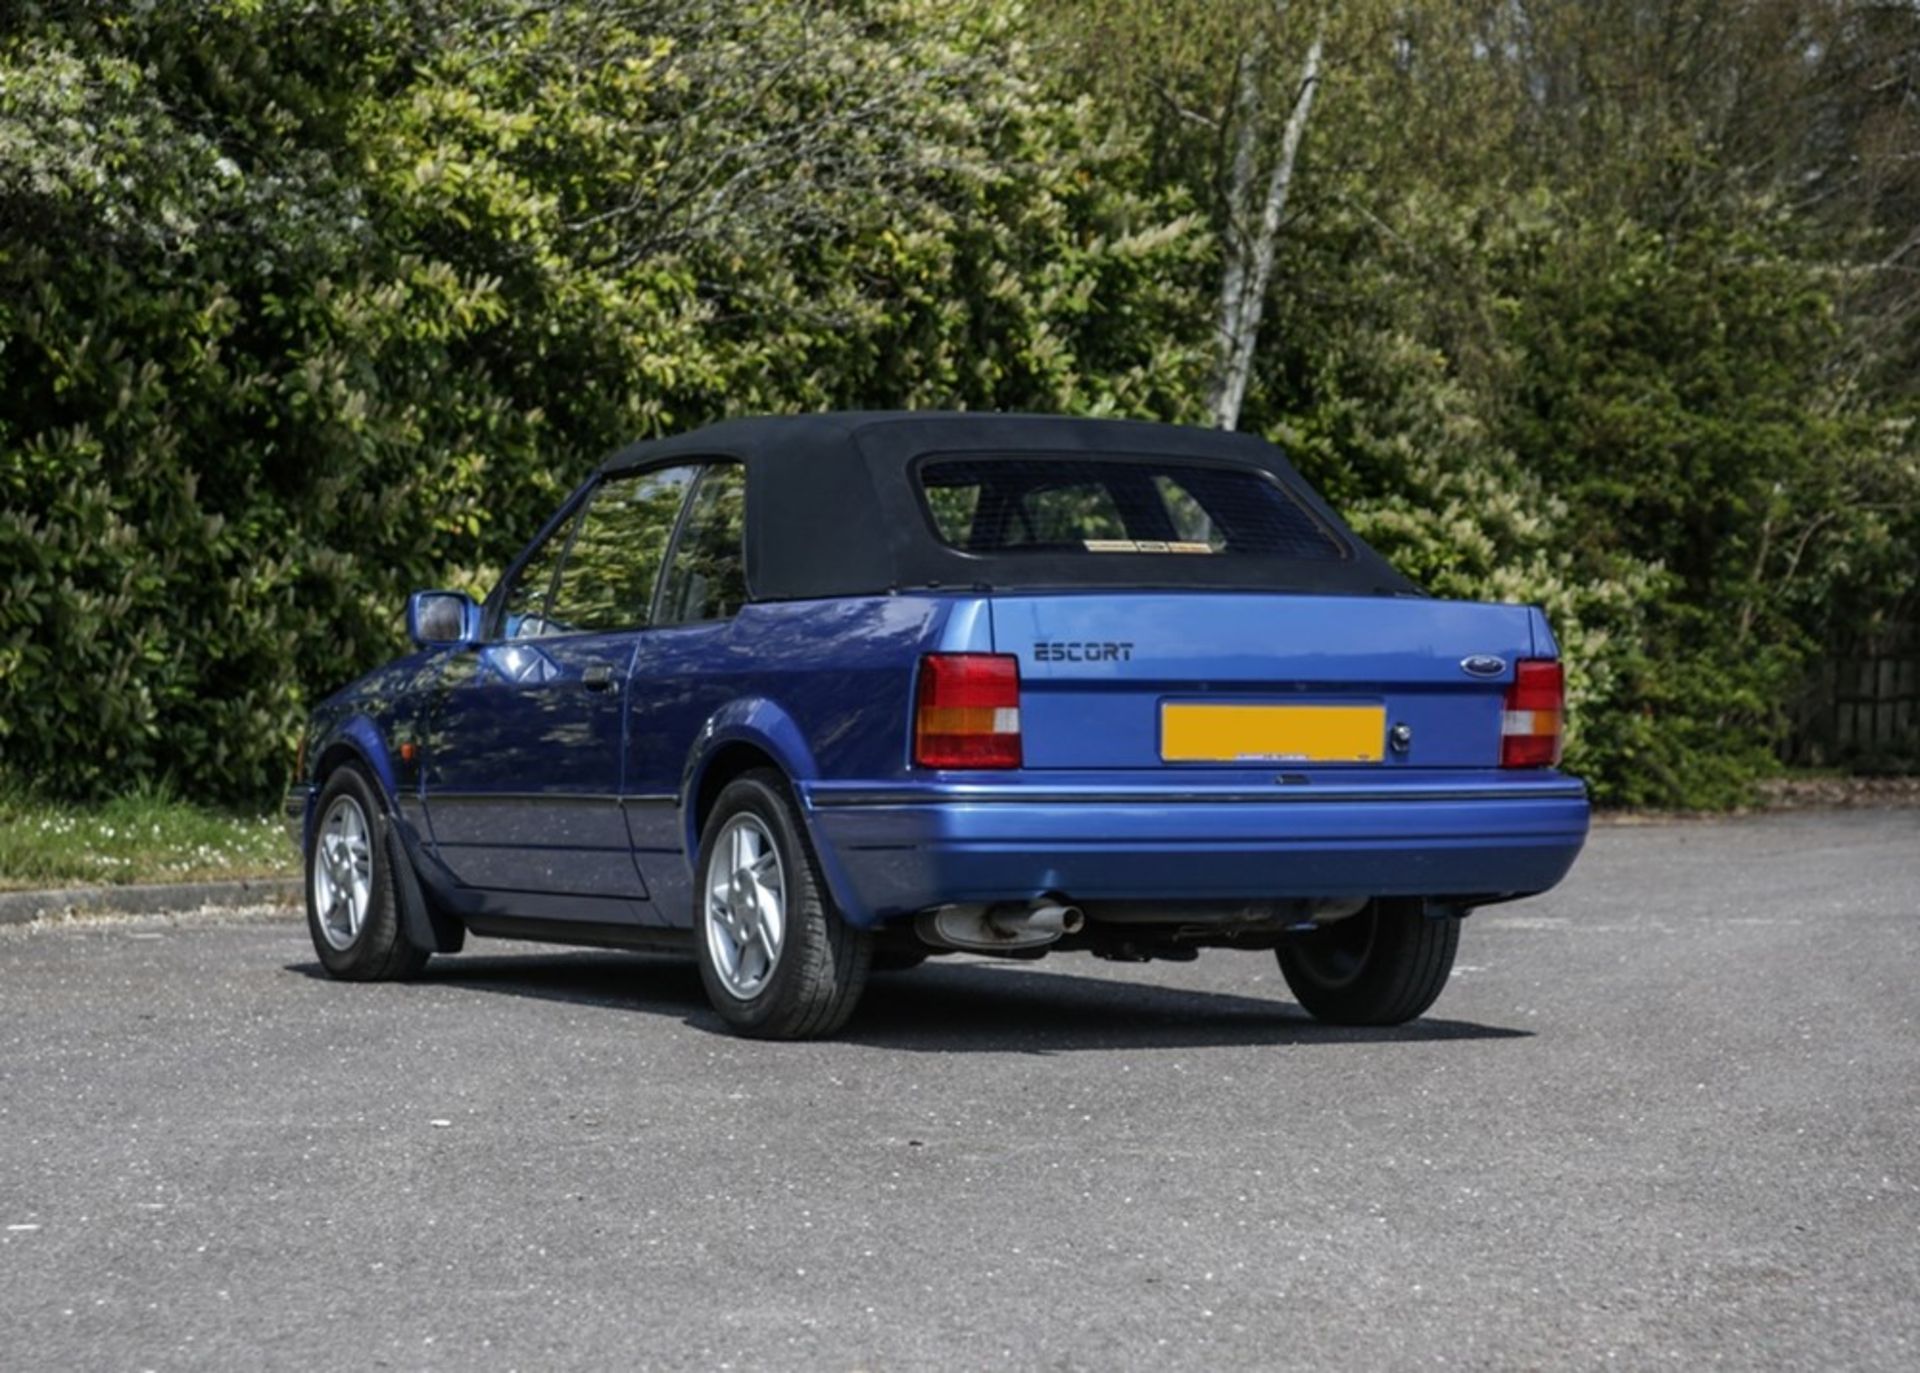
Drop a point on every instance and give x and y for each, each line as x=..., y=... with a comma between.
x=1608, y=306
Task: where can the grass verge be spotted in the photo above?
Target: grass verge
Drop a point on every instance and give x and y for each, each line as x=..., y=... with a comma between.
x=145, y=837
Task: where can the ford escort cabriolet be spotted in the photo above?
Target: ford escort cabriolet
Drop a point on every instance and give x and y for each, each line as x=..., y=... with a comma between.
x=810, y=696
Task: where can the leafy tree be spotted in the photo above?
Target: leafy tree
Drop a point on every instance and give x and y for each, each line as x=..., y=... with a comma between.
x=312, y=304
x=1607, y=304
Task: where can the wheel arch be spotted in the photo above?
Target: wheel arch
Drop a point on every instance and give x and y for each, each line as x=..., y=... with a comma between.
x=742, y=736
x=730, y=760
x=358, y=740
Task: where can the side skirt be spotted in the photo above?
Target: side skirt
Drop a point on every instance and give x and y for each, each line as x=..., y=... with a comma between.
x=635, y=938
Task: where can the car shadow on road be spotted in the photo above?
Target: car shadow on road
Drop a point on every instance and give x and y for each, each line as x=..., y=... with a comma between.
x=971, y=1006
x=944, y=1007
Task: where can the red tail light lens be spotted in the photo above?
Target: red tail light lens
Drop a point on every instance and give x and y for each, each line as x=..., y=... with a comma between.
x=1532, y=722
x=967, y=714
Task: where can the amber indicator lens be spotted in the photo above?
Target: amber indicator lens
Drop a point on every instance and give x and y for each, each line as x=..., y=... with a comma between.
x=967, y=712
x=1533, y=718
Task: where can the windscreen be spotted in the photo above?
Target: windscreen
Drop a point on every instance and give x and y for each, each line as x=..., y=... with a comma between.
x=1096, y=506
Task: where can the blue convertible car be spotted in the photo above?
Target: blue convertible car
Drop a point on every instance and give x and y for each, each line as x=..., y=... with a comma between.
x=808, y=696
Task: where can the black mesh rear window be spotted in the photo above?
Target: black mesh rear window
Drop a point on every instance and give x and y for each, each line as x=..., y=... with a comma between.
x=1098, y=506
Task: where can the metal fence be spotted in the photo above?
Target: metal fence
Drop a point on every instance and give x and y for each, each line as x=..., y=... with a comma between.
x=1862, y=706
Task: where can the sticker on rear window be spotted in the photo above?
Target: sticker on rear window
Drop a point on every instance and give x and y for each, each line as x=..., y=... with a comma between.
x=1143, y=546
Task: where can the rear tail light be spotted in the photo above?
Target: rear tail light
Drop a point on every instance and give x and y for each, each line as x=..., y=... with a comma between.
x=1532, y=722
x=967, y=714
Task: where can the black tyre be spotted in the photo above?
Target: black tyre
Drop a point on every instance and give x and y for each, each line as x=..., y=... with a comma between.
x=777, y=960
x=897, y=960
x=1383, y=966
x=352, y=915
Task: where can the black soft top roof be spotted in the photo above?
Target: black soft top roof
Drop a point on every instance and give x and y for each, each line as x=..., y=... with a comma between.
x=833, y=509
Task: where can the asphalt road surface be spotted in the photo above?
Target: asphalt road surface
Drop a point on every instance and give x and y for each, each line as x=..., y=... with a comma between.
x=1666, y=1116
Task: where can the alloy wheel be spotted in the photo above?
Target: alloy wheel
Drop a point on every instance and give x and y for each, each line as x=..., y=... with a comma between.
x=746, y=906
x=1336, y=954
x=343, y=872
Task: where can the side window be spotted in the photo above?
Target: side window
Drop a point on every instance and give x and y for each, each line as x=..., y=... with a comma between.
x=525, y=612
x=708, y=578
x=621, y=540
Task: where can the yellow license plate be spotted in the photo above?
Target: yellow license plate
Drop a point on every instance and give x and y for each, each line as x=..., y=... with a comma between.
x=1192, y=733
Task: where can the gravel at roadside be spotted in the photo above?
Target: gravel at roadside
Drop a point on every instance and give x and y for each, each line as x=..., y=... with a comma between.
x=25, y=907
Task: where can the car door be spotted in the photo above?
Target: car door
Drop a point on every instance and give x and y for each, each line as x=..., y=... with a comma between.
x=524, y=762
x=692, y=661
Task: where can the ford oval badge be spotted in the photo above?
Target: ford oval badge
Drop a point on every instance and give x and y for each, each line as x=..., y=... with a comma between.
x=1483, y=665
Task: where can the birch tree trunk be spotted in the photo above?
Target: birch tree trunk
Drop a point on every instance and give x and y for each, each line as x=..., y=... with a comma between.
x=1253, y=226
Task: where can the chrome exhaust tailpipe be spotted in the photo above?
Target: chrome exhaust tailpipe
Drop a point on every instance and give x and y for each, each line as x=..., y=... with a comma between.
x=991, y=929
x=1042, y=917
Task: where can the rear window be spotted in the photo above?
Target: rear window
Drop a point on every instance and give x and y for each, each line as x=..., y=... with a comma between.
x=1096, y=506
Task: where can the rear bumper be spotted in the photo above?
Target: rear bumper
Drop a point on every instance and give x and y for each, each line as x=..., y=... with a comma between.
x=893, y=850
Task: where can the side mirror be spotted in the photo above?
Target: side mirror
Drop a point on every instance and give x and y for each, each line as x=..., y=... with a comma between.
x=442, y=617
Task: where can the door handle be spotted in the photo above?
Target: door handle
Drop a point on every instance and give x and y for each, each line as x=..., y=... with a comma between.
x=599, y=677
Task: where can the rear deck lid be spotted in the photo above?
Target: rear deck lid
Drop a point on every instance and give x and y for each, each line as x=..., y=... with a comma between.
x=1169, y=679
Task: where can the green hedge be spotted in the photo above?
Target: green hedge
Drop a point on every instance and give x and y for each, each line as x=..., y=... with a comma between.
x=279, y=342
x=305, y=305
